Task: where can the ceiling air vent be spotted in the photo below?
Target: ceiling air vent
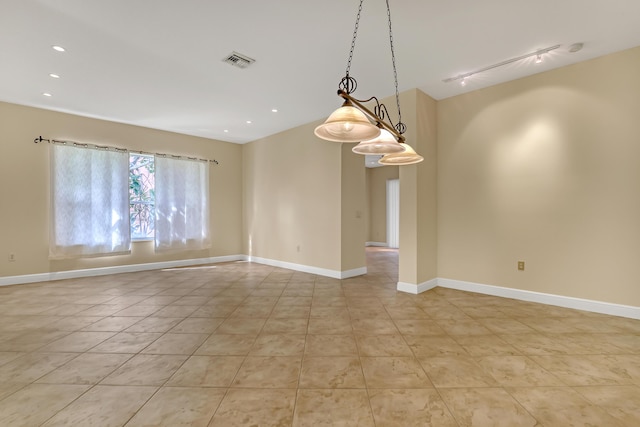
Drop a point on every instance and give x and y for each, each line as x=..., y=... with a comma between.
x=238, y=60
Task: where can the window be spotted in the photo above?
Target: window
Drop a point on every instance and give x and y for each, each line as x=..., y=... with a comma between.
x=142, y=196
x=103, y=198
x=88, y=202
x=182, y=204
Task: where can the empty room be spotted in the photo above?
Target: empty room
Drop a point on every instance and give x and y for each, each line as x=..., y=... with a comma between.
x=338, y=213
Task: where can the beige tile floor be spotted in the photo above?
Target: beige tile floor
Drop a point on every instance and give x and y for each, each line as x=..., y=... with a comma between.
x=243, y=344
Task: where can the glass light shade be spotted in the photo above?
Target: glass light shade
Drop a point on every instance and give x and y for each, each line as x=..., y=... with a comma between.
x=347, y=124
x=408, y=157
x=384, y=144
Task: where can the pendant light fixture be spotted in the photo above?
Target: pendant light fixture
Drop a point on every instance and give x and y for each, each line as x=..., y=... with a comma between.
x=347, y=124
x=354, y=122
x=407, y=157
x=384, y=144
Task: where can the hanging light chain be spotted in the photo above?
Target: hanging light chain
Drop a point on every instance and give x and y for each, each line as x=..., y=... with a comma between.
x=355, y=35
x=349, y=84
x=400, y=126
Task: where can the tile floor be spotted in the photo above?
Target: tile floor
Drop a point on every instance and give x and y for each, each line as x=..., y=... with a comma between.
x=243, y=344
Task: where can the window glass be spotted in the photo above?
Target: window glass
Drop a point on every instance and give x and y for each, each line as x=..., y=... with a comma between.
x=141, y=196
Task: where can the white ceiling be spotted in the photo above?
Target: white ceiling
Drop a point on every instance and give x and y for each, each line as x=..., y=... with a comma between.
x=158, y=63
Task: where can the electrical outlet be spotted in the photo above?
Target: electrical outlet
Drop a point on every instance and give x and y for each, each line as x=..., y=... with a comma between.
x=12, y=257
x=521, y=265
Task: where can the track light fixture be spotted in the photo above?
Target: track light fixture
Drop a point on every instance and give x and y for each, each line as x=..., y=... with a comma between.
x=354, y=122
x=538, y=54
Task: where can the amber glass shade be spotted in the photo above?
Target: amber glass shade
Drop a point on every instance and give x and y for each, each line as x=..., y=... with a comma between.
x=408, y=157
x=347, y=124
x=384, y=144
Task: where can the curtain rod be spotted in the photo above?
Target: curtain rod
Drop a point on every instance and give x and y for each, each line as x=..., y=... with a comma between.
x=106, y=147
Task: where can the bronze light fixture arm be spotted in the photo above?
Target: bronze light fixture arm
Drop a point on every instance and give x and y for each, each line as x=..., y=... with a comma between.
x=378, y=116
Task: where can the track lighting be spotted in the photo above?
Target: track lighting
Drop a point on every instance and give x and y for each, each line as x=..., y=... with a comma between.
x=538, y=54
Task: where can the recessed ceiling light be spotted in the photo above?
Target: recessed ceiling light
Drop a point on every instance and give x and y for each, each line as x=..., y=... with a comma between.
x=55, y=76
x=274, y=110
x=226, y=131
x=58, y=48
x=46, y=94
x=248, y=122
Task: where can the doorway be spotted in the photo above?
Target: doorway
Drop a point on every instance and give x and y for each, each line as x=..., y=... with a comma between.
x=393, y=213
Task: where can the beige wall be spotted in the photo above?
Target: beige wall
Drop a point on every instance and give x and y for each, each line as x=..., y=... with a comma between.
x=545, y=170
x=354, y=204
x=418, y=213
x=427, y=197
x=292, y=190
x=377, y=195
x=24, y=187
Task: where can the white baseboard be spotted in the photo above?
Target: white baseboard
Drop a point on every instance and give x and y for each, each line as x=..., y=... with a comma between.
x=519, y=294
x=417, y=289
x=539, y=297
x=310, y=269
x=101, y=271
x=382, y=244
x=353, y=273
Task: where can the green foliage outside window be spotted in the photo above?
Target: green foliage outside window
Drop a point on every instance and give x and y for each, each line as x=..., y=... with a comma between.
x=141, y=196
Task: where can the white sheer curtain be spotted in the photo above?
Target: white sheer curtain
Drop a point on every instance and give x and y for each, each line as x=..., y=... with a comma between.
x=182, y=204
x=89, y=202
